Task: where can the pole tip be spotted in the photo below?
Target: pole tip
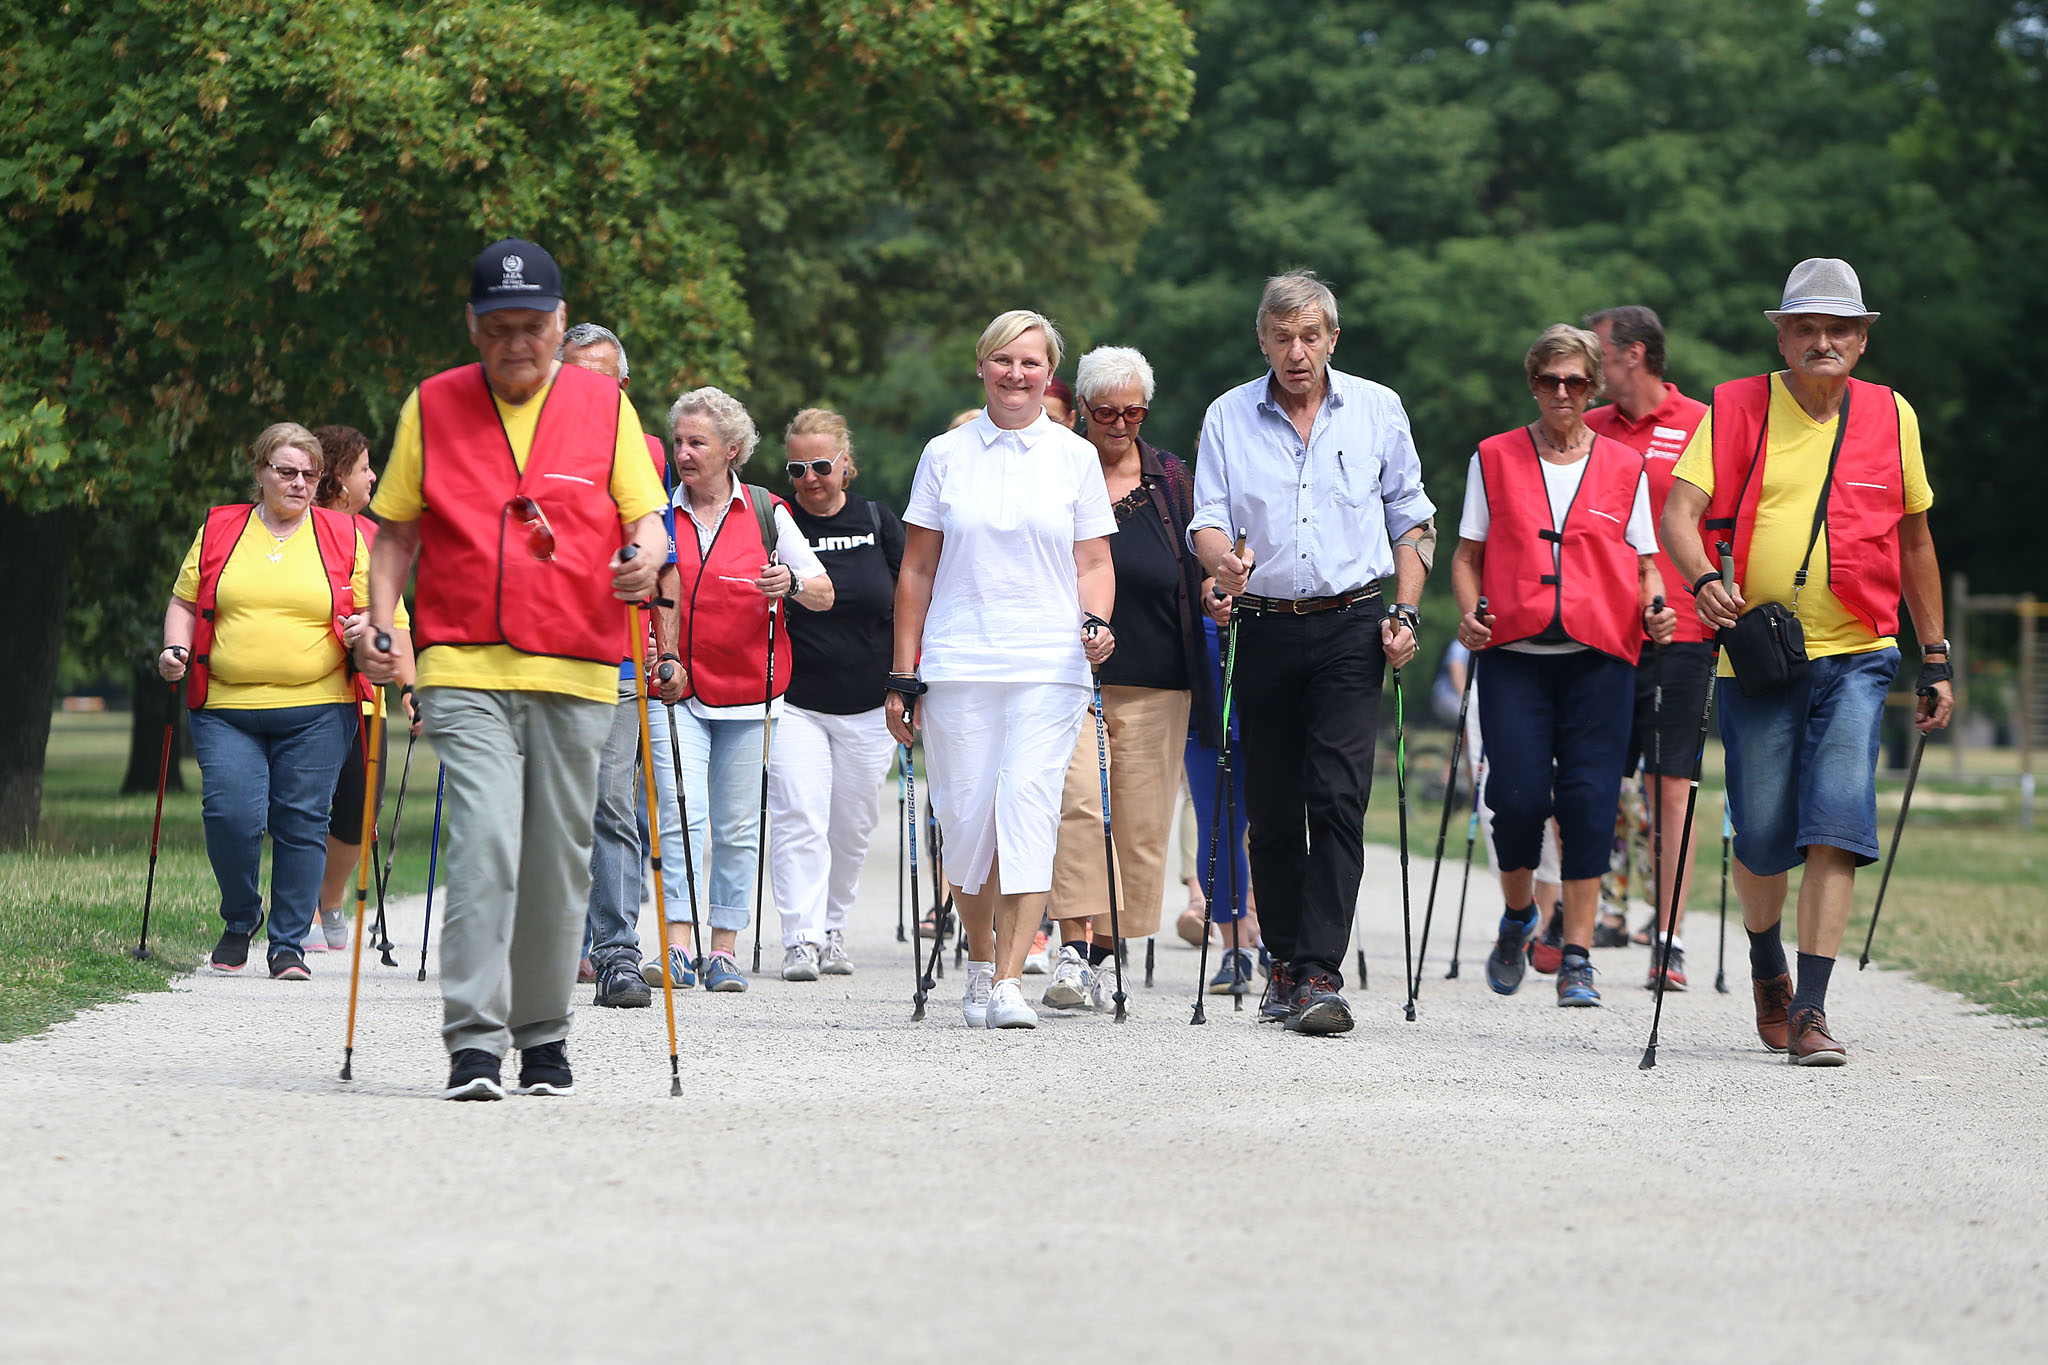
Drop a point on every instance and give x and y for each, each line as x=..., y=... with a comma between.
x=1649, y=1058
x=139, y=953
x=1200, y=1017
x=675, y=1087
x=348, y=1058
x=1408, y=1012
x=1862, y=962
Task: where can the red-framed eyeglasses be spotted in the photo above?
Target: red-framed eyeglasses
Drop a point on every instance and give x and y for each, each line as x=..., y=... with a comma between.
x=540, y=537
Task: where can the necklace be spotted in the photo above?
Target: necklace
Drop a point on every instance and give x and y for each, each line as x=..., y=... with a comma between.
x=1565, y=449
x=276, y=555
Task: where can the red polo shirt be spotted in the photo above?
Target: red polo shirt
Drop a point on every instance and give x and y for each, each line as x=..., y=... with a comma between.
x=1660, y=436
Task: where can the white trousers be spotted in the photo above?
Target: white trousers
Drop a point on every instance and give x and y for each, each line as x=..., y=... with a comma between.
x=824, y=776
x=998, y=753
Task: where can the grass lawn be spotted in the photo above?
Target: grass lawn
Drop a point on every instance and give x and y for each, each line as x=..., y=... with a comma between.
x=70, y=908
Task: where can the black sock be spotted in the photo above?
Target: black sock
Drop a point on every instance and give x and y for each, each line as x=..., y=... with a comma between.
x=1098, y=954
x=1766, y=954
x=1573, y=950
x=1525, y=916
x=1079, y=945
x=1812, y=991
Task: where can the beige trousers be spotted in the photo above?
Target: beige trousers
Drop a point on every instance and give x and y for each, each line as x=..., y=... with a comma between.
x=1148, y=729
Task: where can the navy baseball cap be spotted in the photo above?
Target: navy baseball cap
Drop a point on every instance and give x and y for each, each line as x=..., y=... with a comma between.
x=514, y=274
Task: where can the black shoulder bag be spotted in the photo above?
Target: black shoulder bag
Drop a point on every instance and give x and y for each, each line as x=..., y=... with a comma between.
x=1767, y=646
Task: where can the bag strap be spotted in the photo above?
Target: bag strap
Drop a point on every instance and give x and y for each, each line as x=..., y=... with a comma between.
x=1820, y=508
x=763, y=503
x=875, y=521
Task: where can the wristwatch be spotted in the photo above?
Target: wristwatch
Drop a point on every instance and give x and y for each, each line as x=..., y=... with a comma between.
x=1934, y=647
x=796, y=583
x=1407, y=612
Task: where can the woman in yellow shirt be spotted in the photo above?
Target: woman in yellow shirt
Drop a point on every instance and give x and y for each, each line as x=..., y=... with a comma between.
x=269, y=596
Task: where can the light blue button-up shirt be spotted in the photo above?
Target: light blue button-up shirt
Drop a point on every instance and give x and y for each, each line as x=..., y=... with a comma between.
x=1321, y=515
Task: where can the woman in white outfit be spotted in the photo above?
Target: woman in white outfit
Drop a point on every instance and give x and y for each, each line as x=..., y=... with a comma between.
x=832, y=745
x=1002, y=608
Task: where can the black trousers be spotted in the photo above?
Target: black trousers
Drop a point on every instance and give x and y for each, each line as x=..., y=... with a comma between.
x=1308, y=689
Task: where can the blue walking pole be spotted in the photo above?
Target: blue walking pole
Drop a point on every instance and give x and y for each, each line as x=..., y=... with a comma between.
x=433, y=857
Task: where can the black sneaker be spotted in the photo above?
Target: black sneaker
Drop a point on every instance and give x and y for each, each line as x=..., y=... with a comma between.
x=1318, y=1009
x=288, y=964
x=621, y=987
x=1278, y=1001
x=231, y=954
x=474, y=1074
x=1607, y=935
x=544, y=1069
x=1509, y=960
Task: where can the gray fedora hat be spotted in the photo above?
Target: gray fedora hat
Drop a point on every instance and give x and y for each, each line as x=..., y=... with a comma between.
x=1822, y=284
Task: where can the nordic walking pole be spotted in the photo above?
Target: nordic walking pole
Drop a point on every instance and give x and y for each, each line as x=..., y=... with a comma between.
x=1216, y=816
x=917, y=972
x=1464, y=886
x=637, y=634
x=1401, y=800
x=1116, y=937
x=433, y=857
x=767, y=742
x=1905, y=804
x=370, y=766
x=163, y=775
x=1662, y=965
x=899, y=854
x=1443, y=824
x=1721, y=964
x=1659, y=924
x=384, y=944
x=675, y=758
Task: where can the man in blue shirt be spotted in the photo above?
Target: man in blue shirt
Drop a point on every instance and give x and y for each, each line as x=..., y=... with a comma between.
x=1320, y=471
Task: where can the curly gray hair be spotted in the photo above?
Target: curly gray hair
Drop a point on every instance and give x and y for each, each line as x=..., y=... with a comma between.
x=728, y=415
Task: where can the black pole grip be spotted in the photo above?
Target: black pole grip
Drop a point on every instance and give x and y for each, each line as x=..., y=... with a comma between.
x=627, y=552
x=665, y=672
x=382, y=639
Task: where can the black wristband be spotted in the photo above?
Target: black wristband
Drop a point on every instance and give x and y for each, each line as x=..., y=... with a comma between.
x=1089, y=619
x=1931, y=673
x=907, y=686
x=673, y=658
x=1700, y=582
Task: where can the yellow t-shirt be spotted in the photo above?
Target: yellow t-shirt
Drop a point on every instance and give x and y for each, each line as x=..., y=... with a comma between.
x=1793, y=468
x=634, y=487
x=273, y=621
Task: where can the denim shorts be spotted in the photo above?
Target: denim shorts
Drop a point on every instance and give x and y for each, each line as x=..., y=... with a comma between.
x=1802, y=763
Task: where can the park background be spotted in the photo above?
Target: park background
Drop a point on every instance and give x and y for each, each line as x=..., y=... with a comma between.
x=226, y=214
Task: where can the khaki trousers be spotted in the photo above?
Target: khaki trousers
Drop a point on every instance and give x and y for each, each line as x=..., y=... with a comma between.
x=1148, y=730
x=521, y=785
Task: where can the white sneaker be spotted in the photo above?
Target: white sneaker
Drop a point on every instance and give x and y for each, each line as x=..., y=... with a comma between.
x=981, y=978
x=1069, y=988
x=1102, y=988
x=1038, y=961
x=833, y=961
x=1007, y=1007
x=800, y=963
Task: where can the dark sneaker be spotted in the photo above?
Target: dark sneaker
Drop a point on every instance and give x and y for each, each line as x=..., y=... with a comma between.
x=1278, y=1001
x=1812, y=1044
x=1674, y=969
x=544, y=1069
x=288, y=964
x=1575, y=983
x=1546, y=952
x=1607, y=935
x=1235, y=978
x=1318, y=1009
x=231, y=954
x=474, y=1074
x=721, y=973
x=1509, y=959
x=621, y=987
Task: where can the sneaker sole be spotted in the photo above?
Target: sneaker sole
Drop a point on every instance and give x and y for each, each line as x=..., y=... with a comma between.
x=994, y=1025
x=547, y=1088
x=801, y=975
x=1065, y=1000
x=624, y=1003
x=1321, y=1021
x=1669, y=985
x=225, y=970
x=836, y=971
x=975, y=1018
x=292, y=974
x=477, y=1088
x=728, y=988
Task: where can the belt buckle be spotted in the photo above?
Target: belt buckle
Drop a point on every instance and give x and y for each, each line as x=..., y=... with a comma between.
x=1296, y=606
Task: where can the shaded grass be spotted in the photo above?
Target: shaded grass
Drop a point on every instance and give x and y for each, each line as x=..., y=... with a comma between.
x=71, y=907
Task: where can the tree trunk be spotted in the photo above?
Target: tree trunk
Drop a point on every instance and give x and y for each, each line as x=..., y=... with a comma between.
x=155, y=704
x=35, y=564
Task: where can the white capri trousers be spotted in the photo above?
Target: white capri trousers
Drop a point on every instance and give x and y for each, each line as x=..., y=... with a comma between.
x=998, y=755
x=824, y=778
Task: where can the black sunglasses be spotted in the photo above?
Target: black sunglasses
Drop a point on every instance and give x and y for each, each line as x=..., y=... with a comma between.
x=795, y=468
x=1575, y=384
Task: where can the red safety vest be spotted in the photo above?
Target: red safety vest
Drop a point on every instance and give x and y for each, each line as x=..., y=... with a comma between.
x=1867, y=498
x=335, y=534
x=1589, y=587
x=479, y=583
x=1660, y=438
x=724, y=624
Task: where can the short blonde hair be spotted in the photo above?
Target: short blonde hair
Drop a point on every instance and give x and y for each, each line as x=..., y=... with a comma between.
x=728, y=416
x=1563, y=339
x=1007, y=327
x=824, y=422
x=276, y=437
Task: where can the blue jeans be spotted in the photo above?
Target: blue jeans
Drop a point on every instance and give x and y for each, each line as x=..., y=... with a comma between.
x=274, y=769
x=614, y=911
x=1802, y=763
x=1233, y=877
x=722, y=787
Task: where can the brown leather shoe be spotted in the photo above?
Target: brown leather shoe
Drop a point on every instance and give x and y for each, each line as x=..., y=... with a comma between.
x=1812, y=1045
x=1773, y=1003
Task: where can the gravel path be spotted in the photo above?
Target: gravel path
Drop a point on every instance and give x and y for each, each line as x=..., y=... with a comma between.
x=186, y=1179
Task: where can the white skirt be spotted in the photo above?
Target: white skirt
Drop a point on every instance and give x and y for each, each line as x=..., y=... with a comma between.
x=997, y=755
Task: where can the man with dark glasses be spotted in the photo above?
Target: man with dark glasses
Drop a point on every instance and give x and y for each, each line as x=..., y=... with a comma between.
x=514, y=482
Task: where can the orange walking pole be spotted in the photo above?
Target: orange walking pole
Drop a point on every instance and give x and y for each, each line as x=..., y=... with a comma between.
x=668, y=988
x=370, y=766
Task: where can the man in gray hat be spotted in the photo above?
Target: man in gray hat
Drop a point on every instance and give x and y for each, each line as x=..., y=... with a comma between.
x=1813, y=483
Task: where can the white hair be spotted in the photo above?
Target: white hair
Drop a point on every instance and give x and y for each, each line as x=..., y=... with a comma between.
x=590, y=334
x=728, y=416
x=1297, y=291
x=1112, y=367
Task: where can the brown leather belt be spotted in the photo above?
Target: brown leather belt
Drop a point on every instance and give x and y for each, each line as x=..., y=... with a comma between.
x=1304, y=606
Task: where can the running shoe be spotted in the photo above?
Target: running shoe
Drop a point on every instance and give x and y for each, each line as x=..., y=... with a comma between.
x=288, y=964
x=1509, y=959
x=1575, y=984
x=231, y=954
x=683, y=976
x=1674, y=970
x=1069, y=988
x=474, y=1074
x=1278, y=1001
x=721, y=973
x=1237, y=973
x=1102, y=989
x=833, y=961
x=1318, y=1008
x=330, y=933
x=1007, y=1007
x=1546, y=952
x=544, y=1069
x=800, y=963
x=621, y=987
x=1038, y=961
x=981, y=980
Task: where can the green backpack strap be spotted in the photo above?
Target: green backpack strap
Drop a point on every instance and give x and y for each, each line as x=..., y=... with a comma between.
x=763, y=503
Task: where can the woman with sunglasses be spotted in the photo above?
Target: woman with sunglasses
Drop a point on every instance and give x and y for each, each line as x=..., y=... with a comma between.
x=1146, y=687
x=1556, y=536
x=735, y=554
x=269, y=600
x=832, y=745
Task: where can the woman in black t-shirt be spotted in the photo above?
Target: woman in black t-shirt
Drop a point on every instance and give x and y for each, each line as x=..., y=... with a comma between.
x=832, y=745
